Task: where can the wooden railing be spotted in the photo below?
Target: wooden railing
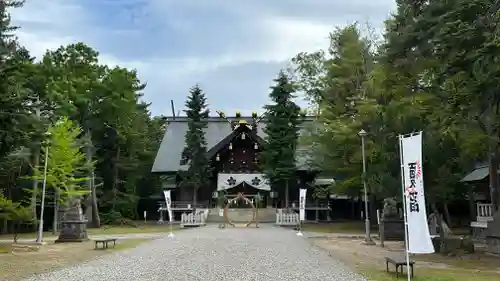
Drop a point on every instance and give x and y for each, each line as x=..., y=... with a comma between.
x=287, y=219
x=484, y=211
x=191, y=219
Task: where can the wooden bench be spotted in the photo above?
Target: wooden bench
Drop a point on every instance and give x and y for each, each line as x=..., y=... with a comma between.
x=104, y=243
x=399, y=263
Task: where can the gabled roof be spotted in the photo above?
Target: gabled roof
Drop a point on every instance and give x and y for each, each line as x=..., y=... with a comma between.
x=168, y=158
x=234, y=134
x=481, y=171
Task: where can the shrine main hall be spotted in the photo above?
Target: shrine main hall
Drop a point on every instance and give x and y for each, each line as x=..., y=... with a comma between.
x=233, y=147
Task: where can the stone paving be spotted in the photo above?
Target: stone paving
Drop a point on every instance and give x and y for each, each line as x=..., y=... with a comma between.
x=210, y=253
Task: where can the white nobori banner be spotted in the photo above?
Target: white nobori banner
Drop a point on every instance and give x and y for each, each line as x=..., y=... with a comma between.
x=168, y=201
x=302, y=204
x=419, y=238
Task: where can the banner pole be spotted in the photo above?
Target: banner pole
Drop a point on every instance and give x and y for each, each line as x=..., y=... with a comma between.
x=407, y=245
x=171, y=234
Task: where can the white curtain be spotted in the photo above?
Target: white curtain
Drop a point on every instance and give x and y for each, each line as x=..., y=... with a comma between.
x=228, y=181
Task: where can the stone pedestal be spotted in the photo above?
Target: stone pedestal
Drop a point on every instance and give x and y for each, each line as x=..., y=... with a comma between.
x=493, y=244
x=73, y=224
x=73, y=231
x=394, y=230
x=493, y=234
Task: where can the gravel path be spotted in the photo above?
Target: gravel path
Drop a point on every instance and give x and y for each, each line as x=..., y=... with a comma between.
x=209, y=253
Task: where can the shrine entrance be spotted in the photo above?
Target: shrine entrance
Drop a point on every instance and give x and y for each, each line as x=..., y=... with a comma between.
x=243, y=189
x=233, y=195
x=251, y=215
x=244, y=195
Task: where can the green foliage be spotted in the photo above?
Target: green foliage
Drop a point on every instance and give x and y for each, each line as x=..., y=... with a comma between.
x=65, y=160
x=16, y=213
x=435, y=72
x=196, y=145
x=120, y=137
x=282, y=132
x=335, y=145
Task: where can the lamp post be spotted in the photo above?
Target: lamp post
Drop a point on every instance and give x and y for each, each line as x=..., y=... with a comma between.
x=368, y=238
x=44, y=185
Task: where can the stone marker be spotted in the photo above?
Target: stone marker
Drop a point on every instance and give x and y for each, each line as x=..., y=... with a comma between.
x=73, y=224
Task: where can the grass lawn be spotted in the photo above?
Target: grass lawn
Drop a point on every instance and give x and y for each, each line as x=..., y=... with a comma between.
x=22, y=264
x=103, y=231
x=355, y=227
x=431, y=274
x=130, y=230
x=369, y=261
x=4, y=248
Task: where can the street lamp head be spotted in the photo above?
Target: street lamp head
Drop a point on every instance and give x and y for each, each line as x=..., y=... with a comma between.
x=362, y=133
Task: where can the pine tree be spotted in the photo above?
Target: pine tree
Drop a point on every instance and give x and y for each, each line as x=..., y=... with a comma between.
x=196, y=145
x=282, y=133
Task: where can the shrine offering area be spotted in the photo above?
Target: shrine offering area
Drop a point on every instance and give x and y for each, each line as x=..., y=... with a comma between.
x=209, y=253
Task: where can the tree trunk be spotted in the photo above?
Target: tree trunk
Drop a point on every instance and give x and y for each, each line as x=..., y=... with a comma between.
x=34, y=189
x=92, y=211
x=16, y=230
x=34, y=186
x=55, y=222
x=115, y=180
x=195, y=198
x=317, y=210
x=447, y=216
x=372, y=207
x=353, y=208
x=96, y=220
x=5, y=228
x=286, y=195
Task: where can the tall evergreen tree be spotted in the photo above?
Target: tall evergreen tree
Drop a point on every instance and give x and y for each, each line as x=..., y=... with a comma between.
x=196, y=145
x=282, y=133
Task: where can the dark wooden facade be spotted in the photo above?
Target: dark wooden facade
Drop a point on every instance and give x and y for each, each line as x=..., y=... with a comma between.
x=239, y=153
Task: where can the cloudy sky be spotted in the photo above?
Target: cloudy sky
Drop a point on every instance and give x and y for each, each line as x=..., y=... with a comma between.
x=232, y=48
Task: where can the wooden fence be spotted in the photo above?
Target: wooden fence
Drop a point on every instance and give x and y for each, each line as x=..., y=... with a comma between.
x=192, y=220
x=287, y=219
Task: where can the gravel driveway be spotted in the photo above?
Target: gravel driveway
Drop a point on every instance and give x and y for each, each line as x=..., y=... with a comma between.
x=210, y=253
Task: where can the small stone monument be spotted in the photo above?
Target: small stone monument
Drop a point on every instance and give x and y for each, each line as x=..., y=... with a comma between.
x=434, y=228
x=73, y=224
x=394, y=227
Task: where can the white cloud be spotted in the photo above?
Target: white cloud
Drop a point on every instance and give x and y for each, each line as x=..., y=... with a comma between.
x=287, y=37
x=233, y=50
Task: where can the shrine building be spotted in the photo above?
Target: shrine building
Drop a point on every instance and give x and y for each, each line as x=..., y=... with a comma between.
x=233, y=148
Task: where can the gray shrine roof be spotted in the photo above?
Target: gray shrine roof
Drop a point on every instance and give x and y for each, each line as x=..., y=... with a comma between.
x=168, y=158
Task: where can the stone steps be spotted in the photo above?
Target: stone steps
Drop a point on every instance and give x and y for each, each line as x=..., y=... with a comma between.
x=242, y=215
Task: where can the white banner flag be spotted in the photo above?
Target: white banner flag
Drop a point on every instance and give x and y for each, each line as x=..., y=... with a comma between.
x=419, y=238
x=302, y=204
x=168, y=201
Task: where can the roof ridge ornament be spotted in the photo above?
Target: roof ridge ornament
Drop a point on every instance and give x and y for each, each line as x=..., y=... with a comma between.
x=236, y=124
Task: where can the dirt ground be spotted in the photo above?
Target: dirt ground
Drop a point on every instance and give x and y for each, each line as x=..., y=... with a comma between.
x=22, y=261
x=361, y=257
